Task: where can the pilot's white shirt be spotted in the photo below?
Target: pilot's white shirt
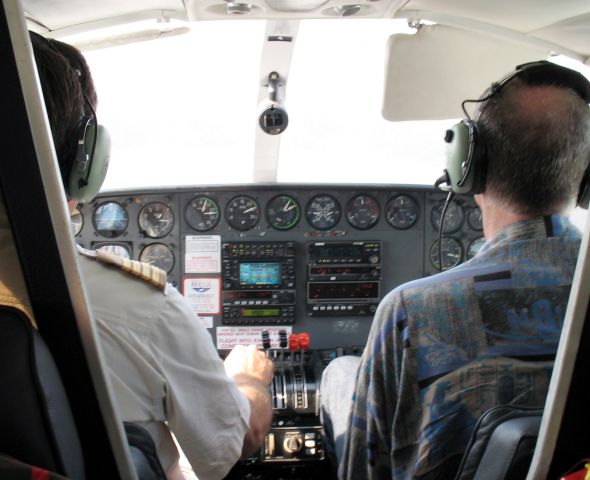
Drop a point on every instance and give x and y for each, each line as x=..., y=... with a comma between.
x=166, y=371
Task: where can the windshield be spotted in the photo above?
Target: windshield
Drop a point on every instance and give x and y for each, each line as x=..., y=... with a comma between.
x=183, y=110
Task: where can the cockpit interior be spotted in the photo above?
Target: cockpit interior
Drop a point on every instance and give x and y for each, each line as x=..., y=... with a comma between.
x=282, y=186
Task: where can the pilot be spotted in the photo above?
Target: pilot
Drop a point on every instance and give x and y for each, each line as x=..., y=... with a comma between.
x=166, y=372
x=444, y=349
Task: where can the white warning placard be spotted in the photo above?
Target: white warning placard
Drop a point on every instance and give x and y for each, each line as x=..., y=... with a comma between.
x=203, y=294
x=202, y=254
x=229, y=337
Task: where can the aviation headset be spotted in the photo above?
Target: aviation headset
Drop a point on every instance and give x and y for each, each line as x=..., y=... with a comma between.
x=466, y=158
x=91, y=162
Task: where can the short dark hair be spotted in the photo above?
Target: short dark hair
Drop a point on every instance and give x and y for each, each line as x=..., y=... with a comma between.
x=537, y=142
x=69, y=93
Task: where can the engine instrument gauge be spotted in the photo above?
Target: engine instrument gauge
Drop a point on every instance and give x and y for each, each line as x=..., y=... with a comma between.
x=453, y=219
x=77, y=220
x=452, y=253
x=242, y=212
x=159, y=255
x=401, y=212
x=156, y=220
x=474, y=219
x=283, y=212
x=474, y=247
x=110, y=219
x=323, y=212
x=202, y=213
x=362, y=212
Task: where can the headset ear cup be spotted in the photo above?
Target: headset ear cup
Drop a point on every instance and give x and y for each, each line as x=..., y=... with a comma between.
x=87, y=177
x=460, y=145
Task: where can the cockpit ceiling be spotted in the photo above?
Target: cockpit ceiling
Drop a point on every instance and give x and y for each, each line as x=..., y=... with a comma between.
x=565, y=23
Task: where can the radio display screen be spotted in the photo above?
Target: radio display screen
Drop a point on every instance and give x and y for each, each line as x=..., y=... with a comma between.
x=261, y=312
x=323, y=251
x=343, y=290
x=260, y=273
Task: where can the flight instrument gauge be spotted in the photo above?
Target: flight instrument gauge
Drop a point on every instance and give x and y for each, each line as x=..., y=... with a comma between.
x=362, y=212
x=474, y=219
x=453, y=219
x=156, y=220
x=77, y=221
x=401, y=212
x=323, y=212
x=110, y=219
x=474, y=247
x=242, y=212
x=202, y=213
x=283, y=212
x=159, y=255
x=452, y=253
x=118, y=249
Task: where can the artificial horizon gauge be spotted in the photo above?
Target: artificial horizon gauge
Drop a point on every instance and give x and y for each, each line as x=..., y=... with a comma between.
x=401, y=212
x=453, y=219
x=474, y=219
x=77, y=220
x=202, y=213
x=156, y=220
x=323, y=212
x=242, y=213
x=118, y=249
x=452, y=253
x=474, y=247
x=159, y=255
x=110, y=219
x=362, y=212
x=283, y=212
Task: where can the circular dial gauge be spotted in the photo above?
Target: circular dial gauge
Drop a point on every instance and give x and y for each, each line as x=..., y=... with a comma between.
x=77, y=221
x=452, y=253
x=156, y=220
x=362, y=212
x=453, y=219
x=114, y=249
x=474, y=247
x=242, y=212
x=110, y=219
x=202, y=213
x=323, y=212
x=401, y=212
x=474, y=219
x=159, y=255
x=283, y=212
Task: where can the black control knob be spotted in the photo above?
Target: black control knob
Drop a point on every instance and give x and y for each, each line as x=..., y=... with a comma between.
x=293, y=443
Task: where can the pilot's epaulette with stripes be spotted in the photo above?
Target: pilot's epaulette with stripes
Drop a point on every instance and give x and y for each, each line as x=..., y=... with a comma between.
x=154, y=275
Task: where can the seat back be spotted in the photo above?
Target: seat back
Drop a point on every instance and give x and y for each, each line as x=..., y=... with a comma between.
x=37, y=424
x=143, y=453
x=502, y=444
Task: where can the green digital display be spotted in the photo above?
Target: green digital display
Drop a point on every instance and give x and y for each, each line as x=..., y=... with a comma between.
x=261, y=312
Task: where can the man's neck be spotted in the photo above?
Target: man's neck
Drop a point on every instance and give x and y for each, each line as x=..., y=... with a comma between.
x=496, y=218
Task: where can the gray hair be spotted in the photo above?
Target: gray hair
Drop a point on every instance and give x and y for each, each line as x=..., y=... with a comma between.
x=537, y=144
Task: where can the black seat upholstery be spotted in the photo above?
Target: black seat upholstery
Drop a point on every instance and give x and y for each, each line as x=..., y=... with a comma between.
x=502, y=444
x=37, y=424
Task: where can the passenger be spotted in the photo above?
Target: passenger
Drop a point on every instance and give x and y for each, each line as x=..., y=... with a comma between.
x=444, y=349
x=166, y=372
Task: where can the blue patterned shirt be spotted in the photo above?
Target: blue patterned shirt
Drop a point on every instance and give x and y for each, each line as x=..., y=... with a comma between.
x=444, y=349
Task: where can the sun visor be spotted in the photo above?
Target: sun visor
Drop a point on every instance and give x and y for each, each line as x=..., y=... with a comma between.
x=429, y=74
